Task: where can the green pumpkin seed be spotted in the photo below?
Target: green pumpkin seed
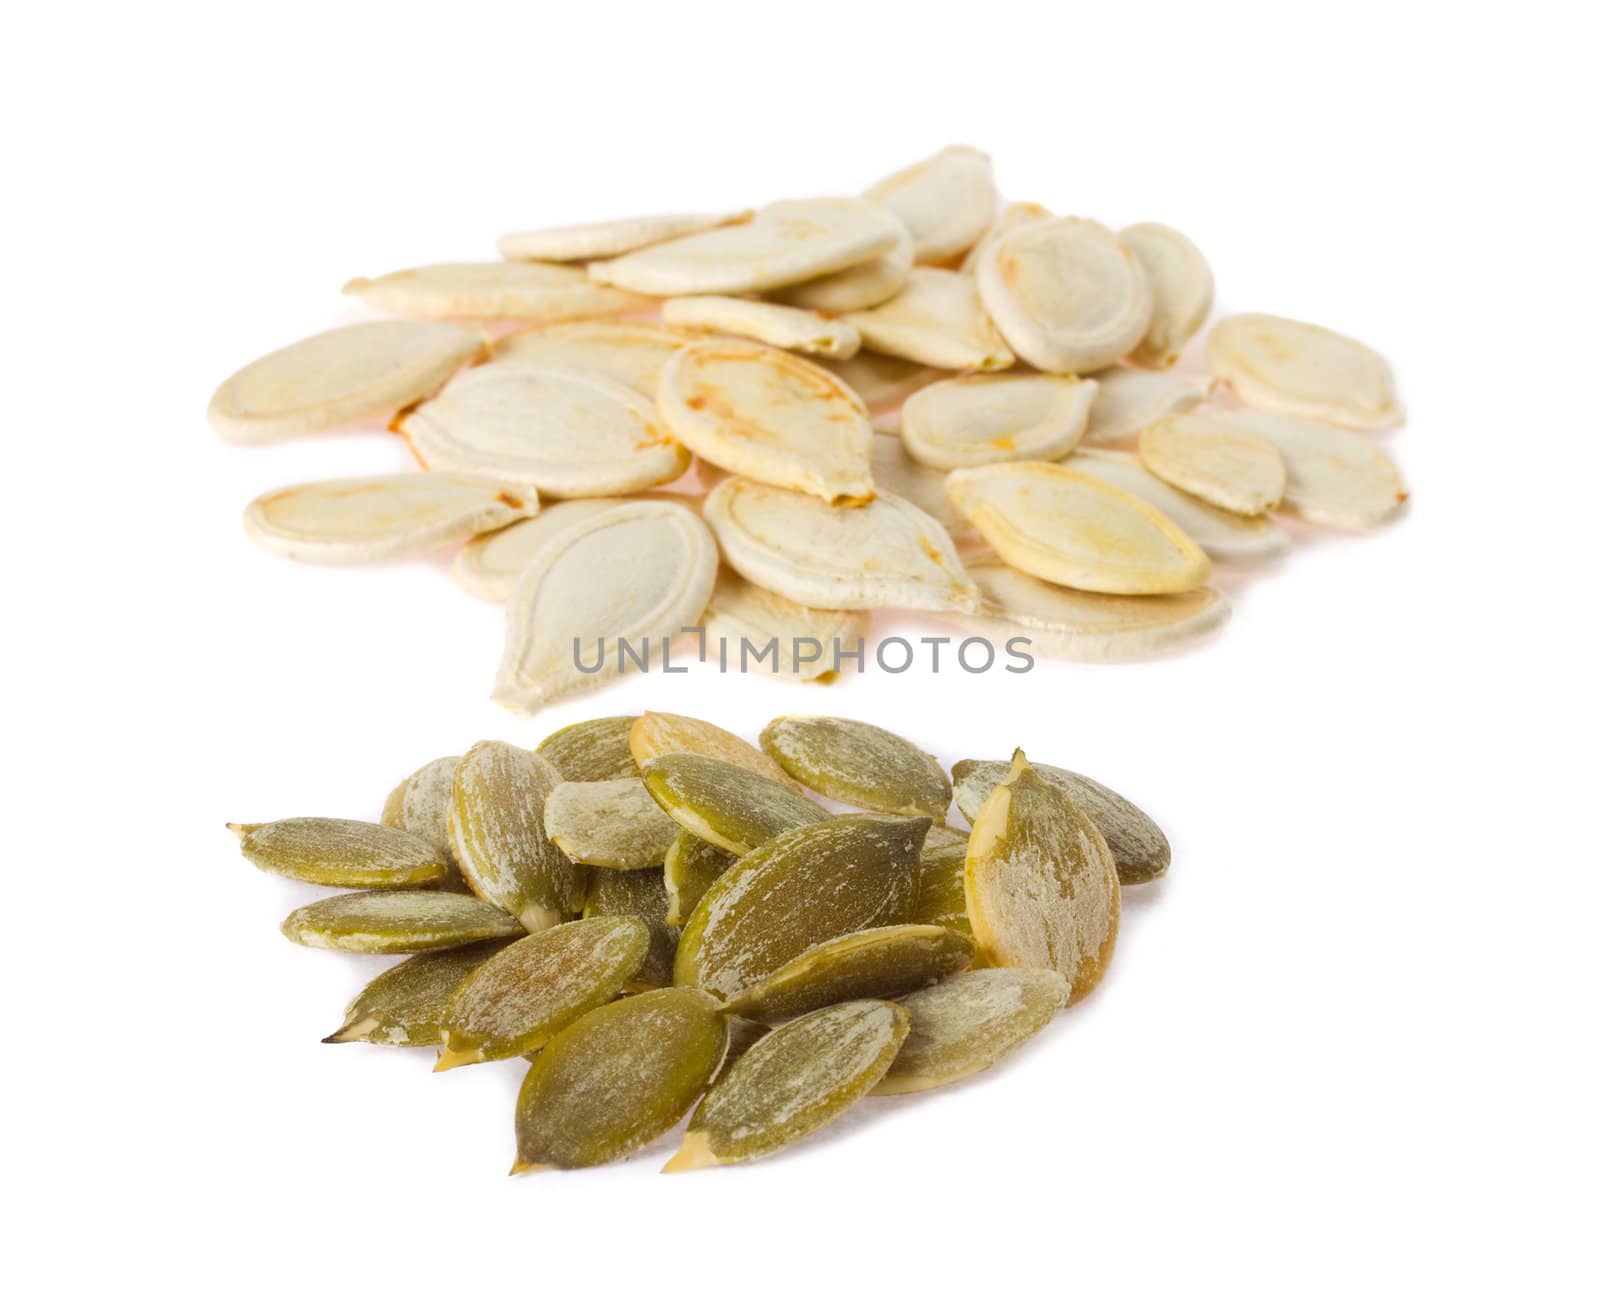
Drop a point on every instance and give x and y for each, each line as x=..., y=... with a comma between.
x=884, y=962
x=966, y=1024
x=404, y=1007
x=421, y=805
x=726, y=804
x=592, y=751
x=692, y=865
x=654, y=735
x=339, y=852
x=642, y=895
x=522, y=996
x=793, y=1082
x=811, y=884
x=857, y=763
x=942, y=896
x=397, y=921
x=497, y=832
x=617, y=1078
x=1140, y=849
x=743, y=1035
x=1042, y=887
x=609, y=823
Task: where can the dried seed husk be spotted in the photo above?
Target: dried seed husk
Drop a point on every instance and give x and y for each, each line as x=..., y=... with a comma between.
x=1131, y=399
x=611, y=824
x=497, y=833
x=641, y=894
x=654, y=734
x=596, y=239
x=726, y=804
x=523, y=995
x=1065, y=295
x=894, y=470
x=936, y=319
x=882, y=383
x=338, y=376
x=884, y=962
x=864, y=285
x=340, y=852
x=1304, y=370
x=886, y=554
x=1042, y=887
x=642, y=572
x=771, y=323
x=743, y=615
x=404, y=1007
x=692, y=865
x=1335, y=478
x=594, y=750
x=966, y=1024
x=1069, y=528
x=490, y=564
x=566, y=434
x=1012, y=217
x=810, y=884
x=946, y=201
x=348, y=521
x=1137, y=844
x=1181, y=288
x=769, y=415
x=857, y=763
x=397, y=921
x=792, y=1082
x=629, y=352
x=783, y=244
x=978, y=419
x=1213, y=457
x=941, y=871
x=522, y=291
x=421, y=805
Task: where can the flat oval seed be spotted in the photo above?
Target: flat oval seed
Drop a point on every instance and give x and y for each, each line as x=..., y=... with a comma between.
x=691, y=867
x=1130, y=400
x=348, y=521
x=936, y=319
x=725, y=804
x=338, y=376
x=404, y=1007
x=771, y=323
x=808, y=885
x=881, y=382
x=1067, y=528
x=1012, y=217
x=640, y=894
x=895, y=471
x=339, y=852
x=857, y=763
x=618, y=1078
x=1138, y=846
x=744, y=622
x=864, y=285
x=613, y=824
x=946, y=201
x=629, y=352
x=421, y=805
x=654, y=735
x=1042, y=886
x=792, y=1082
x=610, y=238
x=967, y=1023
x=1335, y=478
x=519, y=998
x=1181, y=289
x=497, y=832
x=941, y=871
x=884, y=962
x=525, y=291
x=1216, y=459
x=978, y=419
x=1304, y=370
x=397, y=921
x=743, y=1035
x=490, y=564
x=594, y=750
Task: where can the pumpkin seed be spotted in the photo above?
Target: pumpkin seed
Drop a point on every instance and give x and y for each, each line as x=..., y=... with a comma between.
x=611, y=824
x=397, y=921
x=780, y=326
x=1215, y=459
x=886, y=554
x=421, y=805
x=490, y=564
x=1012, y=217
x=881, y=382
x=783, y=244
x=807, y=885
x=1304, y=370
x=1138, y=846
x=864, y=285
x=743, y=1035
x=936, y=319
x=982, y=418
x=1181, y=289
x=942, y=891
x=1131, y=400
x=946, y=201
x=347, y=521
x=770, y=415
x=597, y=239
x=1042, y=886
x=338, y=376
x=692, y=865
x=629, y=352
x=1335, y=478
x=725, y=804
x=1065, y=295
x=523, y=995
x=884, y=962
x=1068, y=528
x=404, y=1007
x=895, y=471
x=742, y=614
x=654, y=735
x=497, y=832
x=793, y=1082
x=525, y=291
x=339, y=852
x=857, y=763
x=617, y=1078
x=594, y=750
x=640, y=894
x=966, y=1024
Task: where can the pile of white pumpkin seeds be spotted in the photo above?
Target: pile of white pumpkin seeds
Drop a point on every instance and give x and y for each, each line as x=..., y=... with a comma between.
x=771, y=422
x=662, y=916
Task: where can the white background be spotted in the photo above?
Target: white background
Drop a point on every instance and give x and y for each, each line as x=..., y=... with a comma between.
x=1345, y=1049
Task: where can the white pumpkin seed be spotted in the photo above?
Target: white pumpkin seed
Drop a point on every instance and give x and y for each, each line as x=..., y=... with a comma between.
x=629, y=352
x=1214, y=458
x=742, y=620
x=1304, y=370
x=1335, y=478
x=864, y=285
x=596, y=239
x=749, y=318
x=936, y=319
x=895, y=471
x=979, y=419
x=881, y=382
x=490, y=564
x=614, y=824
x=523, y=291
x=1012, y=217
x=1181, y=289
x=946, y=201
x=1131, y=400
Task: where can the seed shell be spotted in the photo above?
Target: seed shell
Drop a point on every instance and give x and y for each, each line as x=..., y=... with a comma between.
x=864, y=285
x=594, y=750
x=490, y=564
x=404, y=1007
x=397, y=921
x=340, y=852
x=1181, y=289
x=1012, y=217
x=771, y=323
x=1214, y=458
x=654, y=735
x=523, y=291
x=978, y=419
x=1304, y=370
x=597, y=239
x=726, y=804
x=744, y=620
x=1335, y=478
x=936, y=319
x=1131, y=399
x=946, y=201
x=640, y=894
x=629, y=352
x=857, y=763
x=611, y=824
x=692, y=865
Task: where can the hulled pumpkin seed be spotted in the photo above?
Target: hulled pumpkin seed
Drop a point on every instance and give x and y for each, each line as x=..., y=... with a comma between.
x=857, y=763
x=404, y=1007
x=421, y=805
x=811, y=884
x=497, y=832
x=641, y=894
x=946, y=201
x=397, y=921
x=792, y=1082
x=771, y=323
x=654, y=735
x=966, y=1024
x=594, y=239
x=594, y=750
x=692, y=865
x=524, y=291
x=523, y=995
x=942, y=877
x=743, y=1035
x=724, y=804
x=936, y=319
x=339, y=852
x=1131, y=399
x=1180, y=290
x=1214, y=458
x=1042, y=886
x=1304, y=370
x=884, y=962
x=613, y=824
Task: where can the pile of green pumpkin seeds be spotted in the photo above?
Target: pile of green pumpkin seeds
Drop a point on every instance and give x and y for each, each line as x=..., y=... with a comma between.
x=664, y=917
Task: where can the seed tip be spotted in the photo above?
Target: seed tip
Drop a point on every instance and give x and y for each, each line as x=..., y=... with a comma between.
x=694, y=1154
x=450, y=1058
